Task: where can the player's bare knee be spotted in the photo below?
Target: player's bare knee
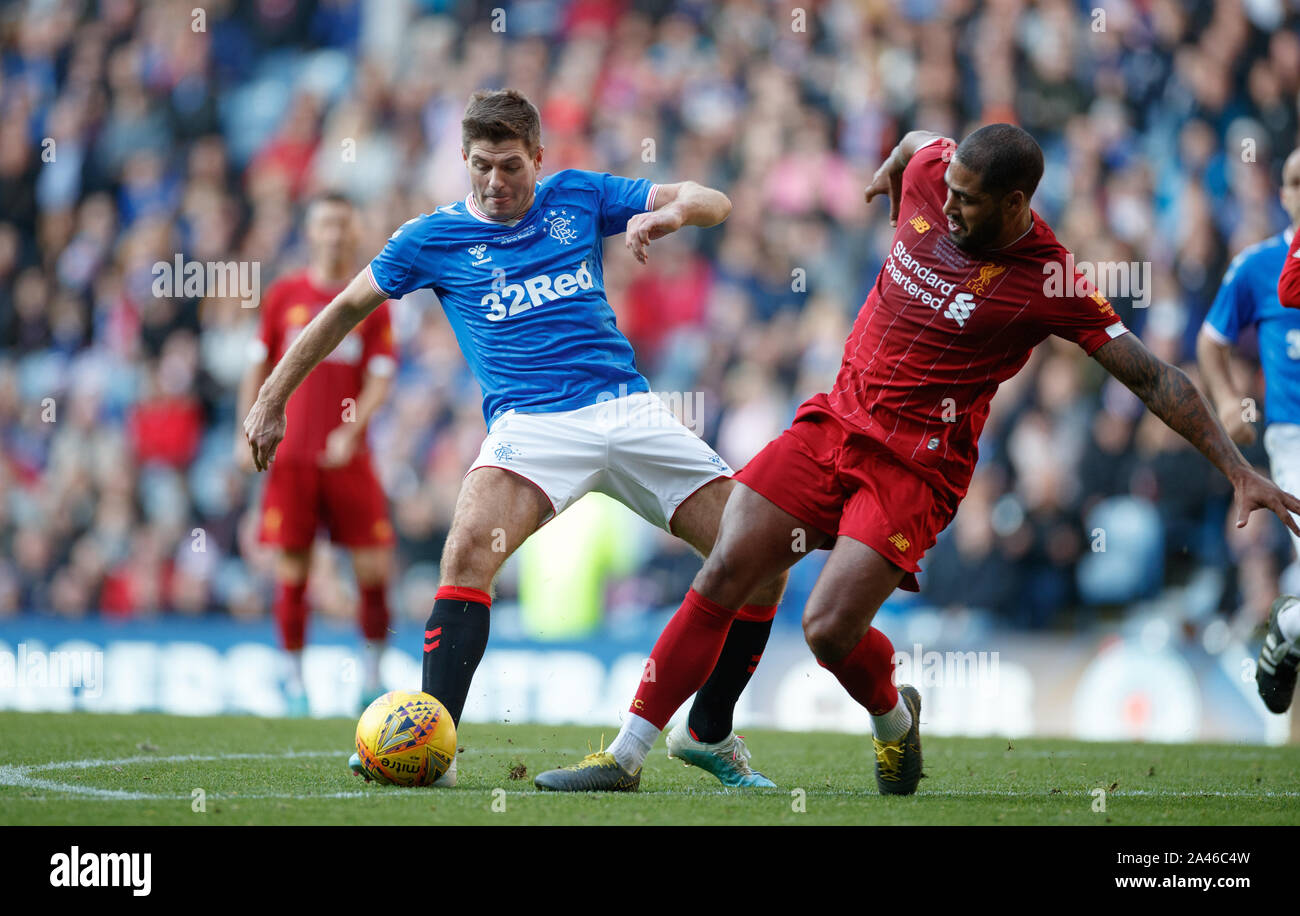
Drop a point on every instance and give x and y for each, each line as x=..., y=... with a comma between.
x=292, y=566
x=770, y=594
x=711, y=577
x=371, y=566
x=466, y=564
x=827, y=633
x=720, y=581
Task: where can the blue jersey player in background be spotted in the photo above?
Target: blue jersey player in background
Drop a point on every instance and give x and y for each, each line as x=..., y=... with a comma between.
x=1249, y=296
x=517, y=266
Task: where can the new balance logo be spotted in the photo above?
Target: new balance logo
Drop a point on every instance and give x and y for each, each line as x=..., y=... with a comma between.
x=960, y=309
x=900, y=542
x=920, y=224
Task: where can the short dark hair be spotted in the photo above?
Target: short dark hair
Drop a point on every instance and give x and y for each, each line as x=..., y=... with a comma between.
x=498, y=115
x=1005, y=157
x=330, y=197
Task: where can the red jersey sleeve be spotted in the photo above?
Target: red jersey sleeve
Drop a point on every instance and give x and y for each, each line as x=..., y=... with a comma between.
x=1288, y=285
x=266, y=346
x=923, y=176
x=1078, y=312
x=379, y=355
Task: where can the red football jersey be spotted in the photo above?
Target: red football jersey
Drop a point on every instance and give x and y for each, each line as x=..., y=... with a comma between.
x=1288, y=284
x=331, y=390
x=941, y=329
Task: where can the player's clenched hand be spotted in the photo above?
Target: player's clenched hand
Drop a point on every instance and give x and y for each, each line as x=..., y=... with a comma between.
x=1241, y=432
x=340, y=446
x=1255, y=491
x=643, y=228
x=264, y=428
x=887, y=180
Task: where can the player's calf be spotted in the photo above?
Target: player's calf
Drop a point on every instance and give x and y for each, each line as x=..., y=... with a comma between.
x=495, y=512
x=455, y=638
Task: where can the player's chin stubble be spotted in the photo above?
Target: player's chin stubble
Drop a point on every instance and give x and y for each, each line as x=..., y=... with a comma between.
x=975, y=239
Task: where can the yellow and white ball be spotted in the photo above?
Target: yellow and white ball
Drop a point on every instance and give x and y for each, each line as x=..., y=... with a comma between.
x=406, y=738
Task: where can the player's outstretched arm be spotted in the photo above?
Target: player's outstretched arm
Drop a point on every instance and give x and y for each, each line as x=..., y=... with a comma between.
x=889, y=177
x=1171, y=396
x=682, y=204
x=265, y=423
x=1213, y=361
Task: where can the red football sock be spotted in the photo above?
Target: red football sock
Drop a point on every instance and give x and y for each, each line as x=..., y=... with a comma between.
x=374, y=612
x=291, y=614
x=757, y=612
x=683, y=658
x=867, y=673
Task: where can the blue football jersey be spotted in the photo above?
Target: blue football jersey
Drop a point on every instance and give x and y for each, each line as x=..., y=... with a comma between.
x=1248, y=295
x=527, y=299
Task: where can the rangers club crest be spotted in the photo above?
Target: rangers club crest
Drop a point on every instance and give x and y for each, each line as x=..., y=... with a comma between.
x=561, y=226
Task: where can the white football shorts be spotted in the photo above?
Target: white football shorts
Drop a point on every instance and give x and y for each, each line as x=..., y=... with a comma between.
x=1282, y=442
x=631, y=448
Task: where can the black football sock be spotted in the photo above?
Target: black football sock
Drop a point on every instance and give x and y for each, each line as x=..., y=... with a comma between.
x=454, y=640
x=710, y=716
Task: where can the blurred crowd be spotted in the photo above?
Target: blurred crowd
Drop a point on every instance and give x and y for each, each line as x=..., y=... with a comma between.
x=139, y=130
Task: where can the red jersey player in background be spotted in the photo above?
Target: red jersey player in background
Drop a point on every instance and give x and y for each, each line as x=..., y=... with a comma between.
x=876, y=468
x=322, y=473
x=1288, y=284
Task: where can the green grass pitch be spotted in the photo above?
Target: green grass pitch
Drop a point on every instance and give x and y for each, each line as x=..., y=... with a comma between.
x=144, y=769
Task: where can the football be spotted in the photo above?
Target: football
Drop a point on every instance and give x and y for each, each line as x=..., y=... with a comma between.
x=406, y=738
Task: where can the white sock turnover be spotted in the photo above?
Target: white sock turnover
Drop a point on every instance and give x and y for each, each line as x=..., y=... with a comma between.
x=893, y=724
x=632, y=745
x=293, y=676
x=371, y=654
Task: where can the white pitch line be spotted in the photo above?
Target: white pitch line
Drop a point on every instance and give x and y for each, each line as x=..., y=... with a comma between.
x=1118, y=793
x=19, y=775
x=13, y=776
x=96, y=763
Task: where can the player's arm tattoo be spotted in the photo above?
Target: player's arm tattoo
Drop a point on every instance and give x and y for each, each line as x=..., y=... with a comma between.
x=1171, y=396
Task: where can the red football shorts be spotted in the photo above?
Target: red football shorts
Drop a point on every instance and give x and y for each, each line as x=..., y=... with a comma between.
x=840, y=481
x=348, y=501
